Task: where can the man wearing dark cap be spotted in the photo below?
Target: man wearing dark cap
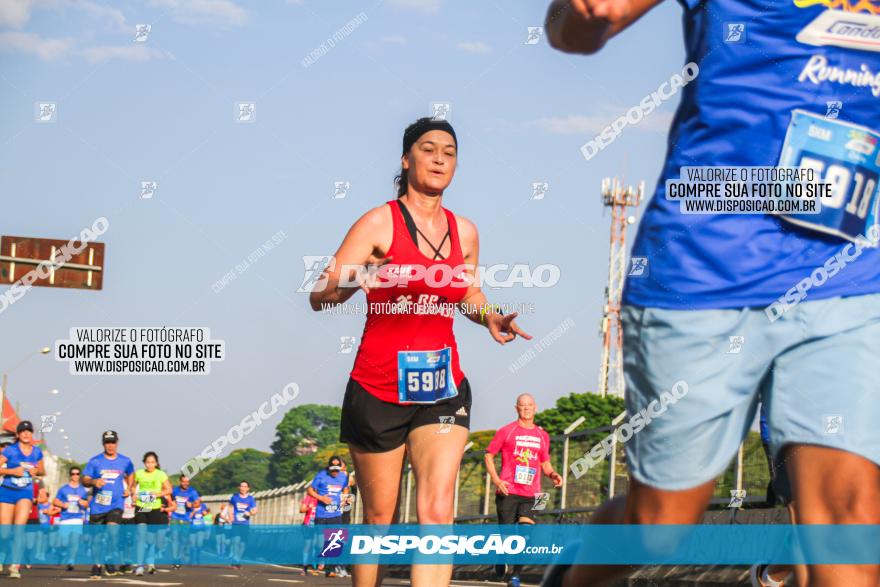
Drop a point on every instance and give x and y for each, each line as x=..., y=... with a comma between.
x=328, y=487
x=109, y=474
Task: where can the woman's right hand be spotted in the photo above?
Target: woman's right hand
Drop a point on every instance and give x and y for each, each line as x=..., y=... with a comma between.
x=16, y=472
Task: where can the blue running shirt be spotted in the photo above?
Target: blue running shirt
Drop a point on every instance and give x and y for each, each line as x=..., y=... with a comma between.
x=15, y=458
x=113, y=472
x=72, y=496
x=181, y=497
x=240, y=507
x=760, y=60
x=325, y=484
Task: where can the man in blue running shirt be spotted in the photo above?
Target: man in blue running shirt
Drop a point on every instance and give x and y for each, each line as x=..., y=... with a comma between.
x=186, y=501
x=109, y=474
x=787, y=83
x=329, y=487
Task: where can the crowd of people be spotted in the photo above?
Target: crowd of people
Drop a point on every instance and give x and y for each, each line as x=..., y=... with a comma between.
x=172, y=522
x=110, y=492
x=763, y=88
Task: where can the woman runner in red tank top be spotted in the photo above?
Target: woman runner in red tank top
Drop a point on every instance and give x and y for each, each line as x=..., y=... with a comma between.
x=414, y=314
x=407, y=386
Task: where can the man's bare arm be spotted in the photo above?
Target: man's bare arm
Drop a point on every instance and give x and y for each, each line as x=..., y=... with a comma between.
x=584, y=26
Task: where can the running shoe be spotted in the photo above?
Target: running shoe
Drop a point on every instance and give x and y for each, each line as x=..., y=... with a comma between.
x=125, y=569
x=758, y=578
x=139, y=571
x=175, y=567
x=69, y=568
x=110, y=571
x=330, y=574
x=14, y=572
x=151, y=569
x=514, y=582
x=96, y=572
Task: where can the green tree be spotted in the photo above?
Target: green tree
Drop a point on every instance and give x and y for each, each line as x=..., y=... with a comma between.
x=321, y=457
x=299, y=435
x=224, y=475
x=598, y=411
x=481, y=439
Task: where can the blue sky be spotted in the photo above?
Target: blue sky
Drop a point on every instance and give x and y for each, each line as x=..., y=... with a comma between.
x=163, y=111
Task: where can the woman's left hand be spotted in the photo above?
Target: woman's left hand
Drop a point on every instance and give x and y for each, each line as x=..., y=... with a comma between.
x=503, y=329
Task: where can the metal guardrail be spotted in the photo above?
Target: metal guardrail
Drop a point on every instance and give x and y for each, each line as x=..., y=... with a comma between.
x=475, y=495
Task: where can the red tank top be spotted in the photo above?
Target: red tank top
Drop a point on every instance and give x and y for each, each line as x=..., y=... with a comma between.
x=387, y=332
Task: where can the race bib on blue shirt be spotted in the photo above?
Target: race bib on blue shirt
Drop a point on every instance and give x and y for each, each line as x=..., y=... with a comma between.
x=25, y=479
x=847, y=157
x=425, y=377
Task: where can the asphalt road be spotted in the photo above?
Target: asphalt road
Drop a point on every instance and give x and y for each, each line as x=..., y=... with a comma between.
x=213, y=576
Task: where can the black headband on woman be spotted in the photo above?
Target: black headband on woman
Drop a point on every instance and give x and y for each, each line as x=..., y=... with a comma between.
x=420, y=127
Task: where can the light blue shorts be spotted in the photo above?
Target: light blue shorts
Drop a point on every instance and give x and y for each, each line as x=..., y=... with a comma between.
x=816, y=368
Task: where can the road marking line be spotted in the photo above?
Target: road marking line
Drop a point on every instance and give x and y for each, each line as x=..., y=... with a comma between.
x=124, y=581
x=285, y=580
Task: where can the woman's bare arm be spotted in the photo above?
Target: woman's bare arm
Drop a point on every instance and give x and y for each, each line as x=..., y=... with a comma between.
x=367, y=240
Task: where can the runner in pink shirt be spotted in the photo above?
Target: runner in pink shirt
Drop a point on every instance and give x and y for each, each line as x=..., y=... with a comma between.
x=525, y=455
x=308, y=506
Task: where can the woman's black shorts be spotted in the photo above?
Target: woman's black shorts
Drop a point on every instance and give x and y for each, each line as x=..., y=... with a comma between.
x=151, y=517
x=374, y=425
